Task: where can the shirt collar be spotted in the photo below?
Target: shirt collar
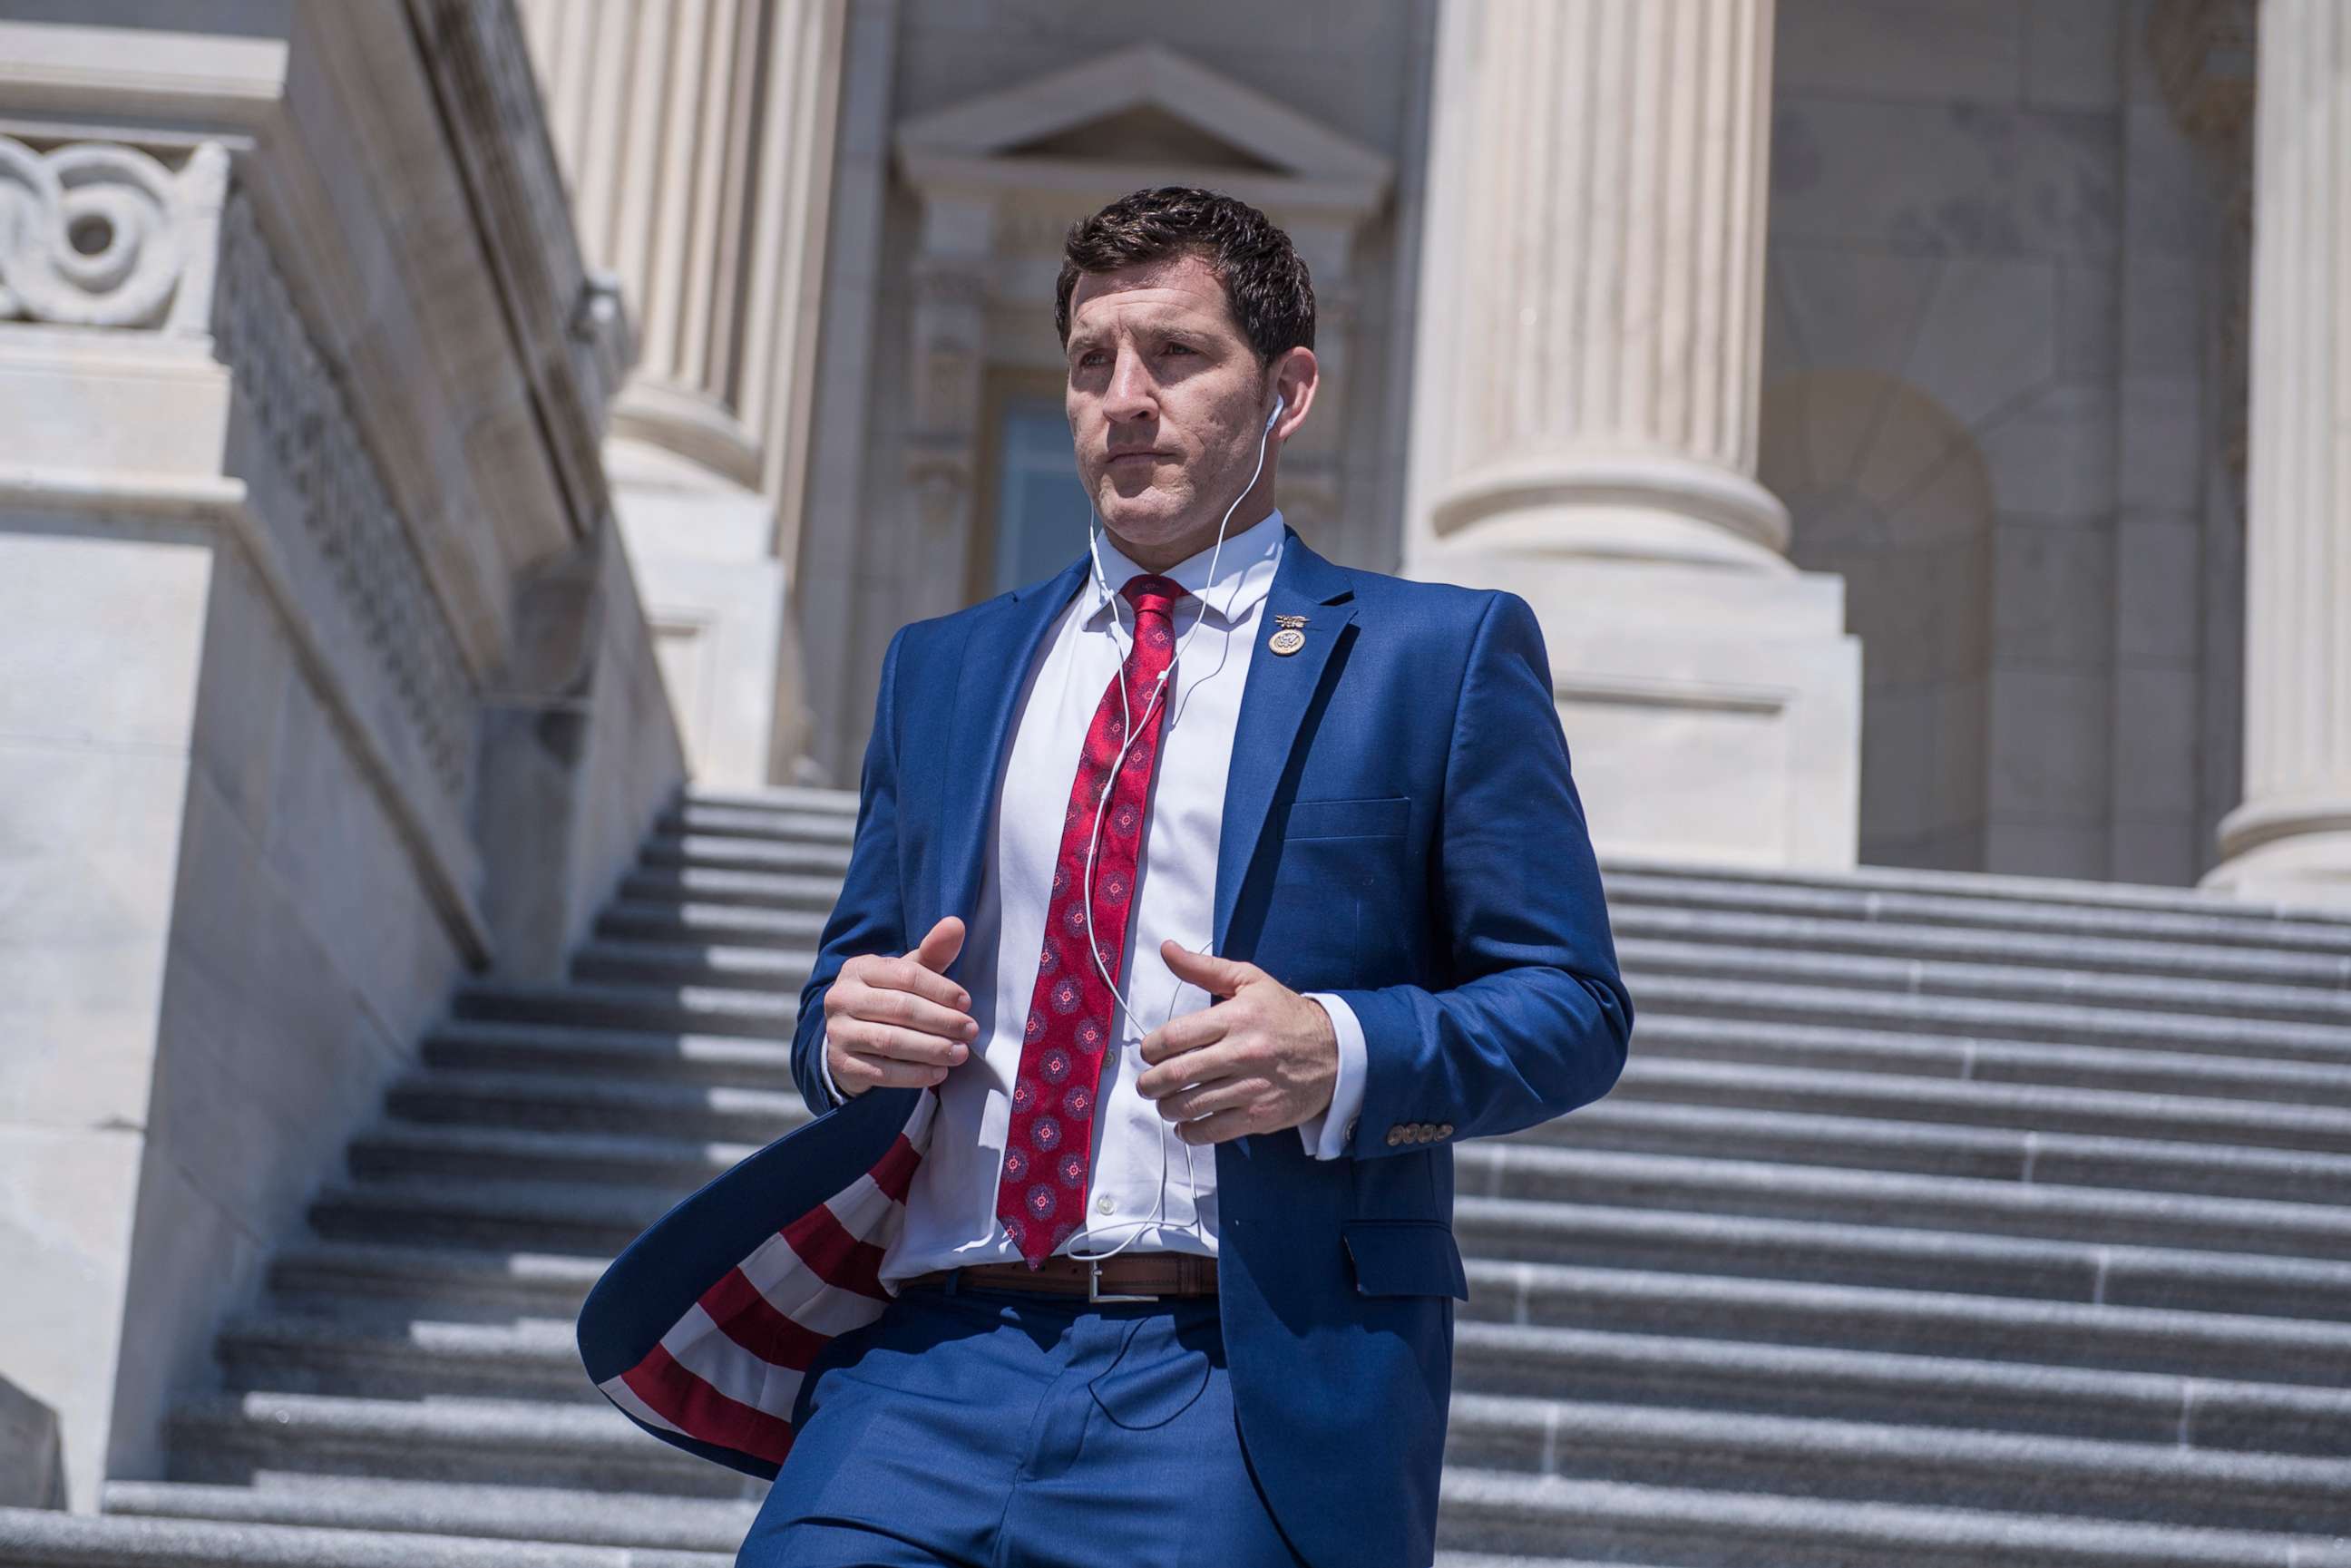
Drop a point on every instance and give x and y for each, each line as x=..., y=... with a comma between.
x=1244, y=574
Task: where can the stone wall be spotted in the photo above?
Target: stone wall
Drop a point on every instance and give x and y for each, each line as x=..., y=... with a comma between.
x=308, y=575
x=1987, y=405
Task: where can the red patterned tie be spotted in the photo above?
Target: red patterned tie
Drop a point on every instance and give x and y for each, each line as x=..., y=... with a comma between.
x=1048, y=1149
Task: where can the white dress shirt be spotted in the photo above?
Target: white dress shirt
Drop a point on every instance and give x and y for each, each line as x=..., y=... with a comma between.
x=1131, y=1205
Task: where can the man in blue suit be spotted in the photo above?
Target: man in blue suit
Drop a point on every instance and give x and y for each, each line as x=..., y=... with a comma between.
x=1144, y=1255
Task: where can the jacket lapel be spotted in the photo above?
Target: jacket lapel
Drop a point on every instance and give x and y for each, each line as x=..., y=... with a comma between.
x=1003, y=646
x=995, y=661
x=1273, y=707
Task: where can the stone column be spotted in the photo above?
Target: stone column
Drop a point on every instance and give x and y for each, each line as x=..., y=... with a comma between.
x=2290, y=840
x=696, y=136
x=1584, y=427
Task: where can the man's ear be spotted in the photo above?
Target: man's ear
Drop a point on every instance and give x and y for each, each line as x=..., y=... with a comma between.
x=1296, y=376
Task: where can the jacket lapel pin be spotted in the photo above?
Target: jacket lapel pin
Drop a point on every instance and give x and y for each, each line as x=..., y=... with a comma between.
x=1290, y=639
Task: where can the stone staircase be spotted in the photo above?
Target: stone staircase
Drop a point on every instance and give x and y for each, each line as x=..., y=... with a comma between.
x=1942, y=1220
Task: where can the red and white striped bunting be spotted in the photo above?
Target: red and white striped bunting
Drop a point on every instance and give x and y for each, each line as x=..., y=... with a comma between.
x=729, y=1371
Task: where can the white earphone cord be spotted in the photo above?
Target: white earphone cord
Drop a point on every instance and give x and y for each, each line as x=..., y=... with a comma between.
x=1102, y=803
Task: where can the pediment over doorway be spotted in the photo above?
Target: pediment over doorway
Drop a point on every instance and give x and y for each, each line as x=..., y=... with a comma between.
x=1142, y=115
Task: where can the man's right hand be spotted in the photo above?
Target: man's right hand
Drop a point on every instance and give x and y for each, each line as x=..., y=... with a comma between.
x=898, y=1021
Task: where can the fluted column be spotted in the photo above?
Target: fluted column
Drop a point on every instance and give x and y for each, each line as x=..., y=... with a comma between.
x=1585, y=411
x=696, y=135
x=697, y=138
x=1601, y=176
x=2291, y=838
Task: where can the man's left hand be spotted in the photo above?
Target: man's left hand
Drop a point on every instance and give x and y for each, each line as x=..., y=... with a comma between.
x=1261, y=1060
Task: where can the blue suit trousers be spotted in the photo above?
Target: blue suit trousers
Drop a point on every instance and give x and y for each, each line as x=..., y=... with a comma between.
x=994, y=1429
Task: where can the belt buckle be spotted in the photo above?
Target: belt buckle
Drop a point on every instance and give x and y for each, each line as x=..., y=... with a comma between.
x=1093, y=1285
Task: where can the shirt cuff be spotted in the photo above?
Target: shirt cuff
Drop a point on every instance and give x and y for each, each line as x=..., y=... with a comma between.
x=1329, y=1135
x=824, y=1068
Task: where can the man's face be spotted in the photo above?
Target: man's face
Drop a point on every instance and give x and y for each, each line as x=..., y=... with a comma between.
x=1166, y=400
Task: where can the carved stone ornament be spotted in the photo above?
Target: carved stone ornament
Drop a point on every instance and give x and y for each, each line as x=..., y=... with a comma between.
x=94, y=235
x=344, y=530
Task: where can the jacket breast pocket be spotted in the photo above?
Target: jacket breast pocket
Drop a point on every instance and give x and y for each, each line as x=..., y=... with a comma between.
x=1383, y=816
x=1338, y=912
x=1405, y=1257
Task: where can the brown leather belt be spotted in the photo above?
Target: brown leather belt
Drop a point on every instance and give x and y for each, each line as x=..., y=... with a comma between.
x=1129, y=1277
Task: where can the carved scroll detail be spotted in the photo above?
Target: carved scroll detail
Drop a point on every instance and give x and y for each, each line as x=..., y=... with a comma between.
x=98, y=235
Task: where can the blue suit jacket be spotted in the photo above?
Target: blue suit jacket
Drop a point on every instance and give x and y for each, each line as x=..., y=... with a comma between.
x=1400, y=827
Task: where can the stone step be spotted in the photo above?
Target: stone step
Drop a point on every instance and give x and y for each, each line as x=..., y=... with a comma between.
x=2054, y=906
x=2057, y=1023
x=463, y=1283
x=1487, y=1511
x=1897, y=1055
x=752, y=889
x=1523, y=1171
x=676, y=1524
x=630, y=961
x=716, y=1009
x=784, y=798
x=1868, y=1462
x=229, y=1439
x=525, y=1101
x=642, y=1133
x=370, y=1354
x=327, y=1277
x=736, y=924
x=724, y=852
x=1711, y=1246
x=400, y=1151
x=33, y=1539
x=2144, y=1166
x=646, y=1520
x=1868, y=894
x=540, y=1216
x=2161, y=1095
x=777, y=890
x=507, y=1441
x=1877, y=888
x=1936, y=1220
x=670, y=1008
x=1691, y=1061
x=1491, y=1519
x=568, y=1215
x=2085, y=1335
x=566, y=1049
x=1836, y=1383
x=1771, y=930
x=1624, y=1123
x=1645, y=959
x=378, y=1355
x=2176, y=1114
x=824, y=821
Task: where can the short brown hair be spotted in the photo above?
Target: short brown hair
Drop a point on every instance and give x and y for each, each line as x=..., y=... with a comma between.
x=1265, y=279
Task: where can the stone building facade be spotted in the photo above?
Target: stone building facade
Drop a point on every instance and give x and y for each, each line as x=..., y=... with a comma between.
x=428, y=428
x=1859, y=387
